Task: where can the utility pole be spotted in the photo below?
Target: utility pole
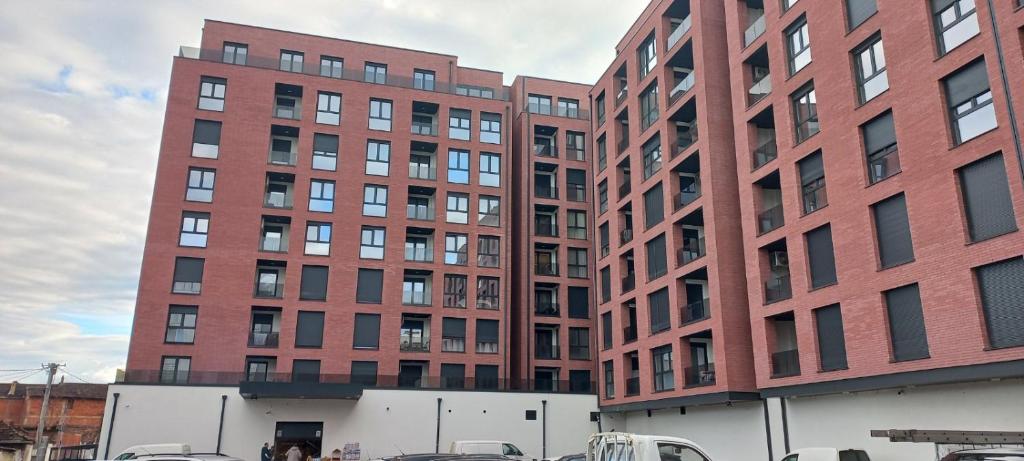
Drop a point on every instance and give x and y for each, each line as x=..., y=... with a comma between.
x=41, y=441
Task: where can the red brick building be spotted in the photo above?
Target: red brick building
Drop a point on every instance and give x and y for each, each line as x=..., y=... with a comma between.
x=73, y=417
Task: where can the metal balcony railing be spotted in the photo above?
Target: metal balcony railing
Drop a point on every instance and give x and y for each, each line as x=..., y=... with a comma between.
x=700, y=375
x=697, y=310
x=545, y=191
x=621, y=96
x=693, y=249
x=765, y=153
x=545, y=229
x=622, y=145
x=777, y=288
x=546, y=308
x=770, y=219
x=546, y=351
x=785, y=363
x=408, y=344
x=687, y=197
x=815, y=199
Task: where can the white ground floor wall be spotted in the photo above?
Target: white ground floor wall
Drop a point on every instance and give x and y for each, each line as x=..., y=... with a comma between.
x=383, y=422
x=738, y=432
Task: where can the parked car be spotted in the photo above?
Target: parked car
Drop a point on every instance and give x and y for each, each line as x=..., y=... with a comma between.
x=573, y=457
x=618, y=446
x=137, y=451
x=445, y=457
x=489, y=447
x=827, y=454
x=987, y=454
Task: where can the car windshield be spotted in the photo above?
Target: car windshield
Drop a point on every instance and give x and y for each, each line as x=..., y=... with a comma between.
x=125, y=455
x=508, y=449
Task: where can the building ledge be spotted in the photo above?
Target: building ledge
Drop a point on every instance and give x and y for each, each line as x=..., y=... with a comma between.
x=690, y=400
x=312, y=390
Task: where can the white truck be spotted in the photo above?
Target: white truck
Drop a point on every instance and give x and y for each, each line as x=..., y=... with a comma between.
x=488, y=447
x=618, y=446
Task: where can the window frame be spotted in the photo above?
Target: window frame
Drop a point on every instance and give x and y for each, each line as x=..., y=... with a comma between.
x=799, y=29
x=420, y=80
x=319, y=239
x=201, y=188
x=368, y=248
x=801, y=125
x=456, y=169
x=331, y=115
x=375, y=149
x=873, y=48
x=293, y=59
x=484, y=246
x=325, y=195
x=213, y=101
x=194, y=225
x=335, y=66
x=374, y=72
x=452, y=214
x=372, y=198
x=455, y=287
x=183, y=311
x=381, y=111
x=487, y=295
x=454, y=254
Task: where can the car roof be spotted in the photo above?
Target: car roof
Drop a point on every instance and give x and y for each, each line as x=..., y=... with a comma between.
x=193, y=457
x=993, y=451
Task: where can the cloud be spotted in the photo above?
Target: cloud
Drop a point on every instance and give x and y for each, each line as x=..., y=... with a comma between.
x=83, y=96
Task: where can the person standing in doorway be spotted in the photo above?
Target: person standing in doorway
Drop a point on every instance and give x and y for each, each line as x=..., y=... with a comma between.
x=265, y=453
x=294, y=454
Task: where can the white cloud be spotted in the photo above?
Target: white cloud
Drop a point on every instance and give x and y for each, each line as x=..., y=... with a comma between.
x=80, y=137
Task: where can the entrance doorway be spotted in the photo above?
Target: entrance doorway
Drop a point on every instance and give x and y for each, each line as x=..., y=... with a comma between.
x=306, y=436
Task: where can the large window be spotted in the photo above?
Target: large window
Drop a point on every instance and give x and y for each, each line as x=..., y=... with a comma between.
x=456, y=249
x=371, y=242
x=986, y=196
x=331, y=67
x=970, y=102
x=489, y=211
x=576, y=224
x=375, y=73
x=458, y=166
x=211, y=93
x=318, y=238
x=378, y=157
x=328, y=108
x=369, y=286
x=657, y=262
x=194, y=229
x=455, y=289
x=892, y=228
x=579, y=343
x=325, y=152
x=872, y=78
x=459, y=123
x=488, y=248
x=366, y=333
x=314, y=283
x=200, y=185
x=812, y=182
x=309, y=329
x=188, y=275
x=858, y=11
x=648, y=106
x=490, y=128
x=291, y=61
x=375, y=200
x=1001, y=296
x=578, y=263
x=821, y=256
x=609, y=379
x=606, y=284
x=654, y=206
x=423, y=79
x=174, y=370
x=906, y=323
x=956, y=21
x=321, y=195
x=453, y=335
x=664, y=378
x=457, y=208
x=206, y=139
x=579, y=302
x=647, y=57
x=487, y=293
x=798, y=45
x=380, y=114
x=490, y=169
x=606, y=331
x=486, y=336
x=568, y=108
x=235, y=53
x=831, y=343
x=652, y=156
x=181, y=324
x=659, y=310
x=880, y=147
x=538, y=104
x=805, y=113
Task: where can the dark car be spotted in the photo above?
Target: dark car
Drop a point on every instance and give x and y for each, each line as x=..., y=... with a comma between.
x=987, y=454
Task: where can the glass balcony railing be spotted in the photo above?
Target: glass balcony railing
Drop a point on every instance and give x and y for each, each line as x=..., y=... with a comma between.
x=693, y=249
x=765, y=153
x=628, y=283
x=682, y=87
x=629, y=334
x=777, y=288
x=697, y=310
x=770, y=219
x=678, y=32
x=625, y=188
x=626, y=235
x=419, y=254
x=546, y=308
x=546, y=269
x=700, y=375
x=815, y=199
x=545, y=150
x=755, y=30
x=759, y=89
x=422, y=171
x=263, y=339
x=785, y=363
x=546, y=351
x=633, y=386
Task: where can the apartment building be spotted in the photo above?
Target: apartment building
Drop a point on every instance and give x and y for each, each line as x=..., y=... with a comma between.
x=794, y=219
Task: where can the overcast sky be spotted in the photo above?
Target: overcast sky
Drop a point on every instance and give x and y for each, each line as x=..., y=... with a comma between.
x=83, y=86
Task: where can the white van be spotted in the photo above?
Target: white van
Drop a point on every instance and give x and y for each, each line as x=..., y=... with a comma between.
x=618, y=446
x=488, y=447
x=827, y=454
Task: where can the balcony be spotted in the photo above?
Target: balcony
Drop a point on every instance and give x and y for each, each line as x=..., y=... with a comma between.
x=621, y=96
x=629, y=283
x=622, y=145
x=422, y=171
x=629, y=334
x=424, y=125
x=545, y=191
x=678, y=32
x=545, y=150
x=770, y=219
x=546, y=352
x=687, y=197
x=755, y=30
x=419, y=254
x=411, y=344
x=624, y=190
x=269, y=287
x=681, y=88
x=684, y=139
x=697, y=310
x=425, y=213
x=263, y=339
x=546, y=269
x=777, y=288
x=692, y=250
x=546, y=308
x=759, y=90
x=545, y=229
x=632, y=386
x=626, y=235
x=700, y=375
x=883, y=164
x=765, y=153
x=785, y=363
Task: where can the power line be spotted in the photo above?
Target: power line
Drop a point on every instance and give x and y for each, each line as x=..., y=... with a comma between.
x=69, y=373
x=19, y=377
x=23, y=369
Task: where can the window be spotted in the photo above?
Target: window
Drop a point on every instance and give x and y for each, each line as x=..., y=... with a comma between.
x=606, y=284
x=318, y=238
x=305, y=371
x=378, y=157
x=364, y=373
x=986, y=196
x=380, y=114
x=880, y=146
x=821, y=256
x=369, y=285
x=576, y=185
x=456, y=249
x=606, y=331
x=602, y=196
x=325, y=152
x=490, y=169
x=174, y=370
x=956, y=21
x=453, y=375
x=490, y=128
x=568, y=108
x=577, y=224
x=200, y=185
x=831, y=344
x=486, y=336
x=892, y=228
x=375, y=73
x=872, y=78
x=269, y=281
x=458, y=166
x=538, y=104
x=206, y=139
x=1001, y=301
x=609, y=379
x=798, y=44
x=658, y=304
x=812, y=182
x=648, y=106
x=605, y=241
x=457, y=210
x=574, y=145
x=654, y=207
x=858, y=11
x=579, y=343
x=486, y=377
x=578, y=263
x=371, y=242
x=787, y=4
x=331, y=66
x=188, y=275
x=455, y=288
x=366, y=334
x=489, y=211
x=805, y=113
x=375, y=200
x=487, y=294
x=652, y=157
x=181, y=324
x=664, y=379
x=194, y=229
x=488, y=251
x=235, y=53
x=314, y=283
x=602, y=154
x=970, y=102
x=906, y=323
x=657, y=262
x=321, y=195
x=453, y=335
x=647, y=57
x=328, y=108
x=211, y=93
x=291, y=61
x=474, y=91
x=309, y=329
x=579, y=381
x=423, y=79
x=579, y=302
x=416, y=290
x=459, y=124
